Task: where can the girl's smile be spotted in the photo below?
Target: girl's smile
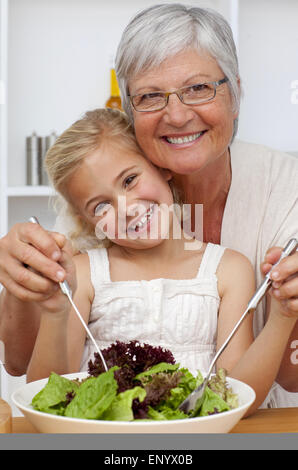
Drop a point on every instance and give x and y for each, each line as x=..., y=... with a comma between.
x=142, y=223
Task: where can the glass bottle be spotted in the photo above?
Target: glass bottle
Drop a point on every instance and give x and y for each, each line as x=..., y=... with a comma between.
x=114, y=100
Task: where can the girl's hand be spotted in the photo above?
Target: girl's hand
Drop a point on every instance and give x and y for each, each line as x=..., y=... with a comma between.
x=285, y=280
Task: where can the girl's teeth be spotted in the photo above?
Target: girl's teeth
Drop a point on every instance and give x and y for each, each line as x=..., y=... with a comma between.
x=184, y=140
x=144, y=219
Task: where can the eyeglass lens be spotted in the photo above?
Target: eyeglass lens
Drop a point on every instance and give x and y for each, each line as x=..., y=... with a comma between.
x=189, y=95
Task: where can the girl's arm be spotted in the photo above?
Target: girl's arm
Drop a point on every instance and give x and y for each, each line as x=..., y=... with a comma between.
x=60, y=340
x=259, y=366
x=255, y=362
x=236, y=285
x=287, y=289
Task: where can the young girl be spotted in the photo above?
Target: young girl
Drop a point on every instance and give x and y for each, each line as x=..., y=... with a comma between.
x=144, y=284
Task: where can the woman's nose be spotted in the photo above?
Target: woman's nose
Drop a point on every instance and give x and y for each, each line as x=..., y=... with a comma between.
x=177, y=113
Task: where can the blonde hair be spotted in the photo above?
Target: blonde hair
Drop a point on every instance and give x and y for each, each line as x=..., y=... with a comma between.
x=68, y=153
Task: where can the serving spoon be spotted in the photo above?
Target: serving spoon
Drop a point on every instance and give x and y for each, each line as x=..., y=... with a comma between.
x=195, y=400
x=67, y=291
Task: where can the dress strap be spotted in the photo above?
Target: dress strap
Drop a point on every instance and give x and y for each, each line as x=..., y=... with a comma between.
x=210, y=260
x=99, y=265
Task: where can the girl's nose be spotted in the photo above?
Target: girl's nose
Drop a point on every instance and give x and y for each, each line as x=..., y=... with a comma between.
x=177, y=113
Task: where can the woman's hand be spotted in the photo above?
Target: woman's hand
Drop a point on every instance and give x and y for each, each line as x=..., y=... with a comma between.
x=285, y=280
x=58, y=303
x=30, y=291
x=29, y=245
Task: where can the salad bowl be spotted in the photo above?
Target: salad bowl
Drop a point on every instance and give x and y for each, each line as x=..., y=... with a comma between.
x=49, y=423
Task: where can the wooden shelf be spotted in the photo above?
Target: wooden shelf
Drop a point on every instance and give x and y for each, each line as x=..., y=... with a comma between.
x=29, y=191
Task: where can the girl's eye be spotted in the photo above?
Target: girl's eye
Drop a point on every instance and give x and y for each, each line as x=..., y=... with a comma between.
x=129, y=180
x=101, y=209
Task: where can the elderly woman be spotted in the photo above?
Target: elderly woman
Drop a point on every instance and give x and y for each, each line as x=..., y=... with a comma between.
x=178, y=73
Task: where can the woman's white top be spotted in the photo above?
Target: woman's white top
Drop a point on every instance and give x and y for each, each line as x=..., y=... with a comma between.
x=179, y=315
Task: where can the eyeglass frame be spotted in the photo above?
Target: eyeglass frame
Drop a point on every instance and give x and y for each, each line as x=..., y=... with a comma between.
x=178, y=93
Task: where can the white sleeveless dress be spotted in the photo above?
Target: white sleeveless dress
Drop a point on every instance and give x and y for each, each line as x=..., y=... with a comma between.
x=179, y=315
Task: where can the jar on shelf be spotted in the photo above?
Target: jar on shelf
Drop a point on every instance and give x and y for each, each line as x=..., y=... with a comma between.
x=32, y=155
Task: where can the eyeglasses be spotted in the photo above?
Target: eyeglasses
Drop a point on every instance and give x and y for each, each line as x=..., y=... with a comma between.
x=189, y=95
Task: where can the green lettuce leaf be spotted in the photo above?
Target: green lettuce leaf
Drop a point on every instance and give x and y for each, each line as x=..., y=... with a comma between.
x=212, y=403
x=218, y=384
x=161, y=367
x=121, y=407
x=94, y=396
x=168, y=409
x=187, y=384
x=165, y=413
x=53, y=397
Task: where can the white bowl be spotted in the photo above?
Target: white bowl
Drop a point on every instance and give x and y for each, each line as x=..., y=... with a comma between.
x=48, y=423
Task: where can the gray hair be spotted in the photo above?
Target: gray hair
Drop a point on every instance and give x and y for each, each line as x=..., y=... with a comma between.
x=161, y=31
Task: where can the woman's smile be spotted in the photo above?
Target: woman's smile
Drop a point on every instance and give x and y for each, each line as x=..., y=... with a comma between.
x=183, y=140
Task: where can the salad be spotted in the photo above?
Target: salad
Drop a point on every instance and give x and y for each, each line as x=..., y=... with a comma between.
x=143, y=382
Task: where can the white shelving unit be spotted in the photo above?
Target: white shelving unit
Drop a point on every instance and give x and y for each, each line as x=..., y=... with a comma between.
x=29, y=191
x=54, y=65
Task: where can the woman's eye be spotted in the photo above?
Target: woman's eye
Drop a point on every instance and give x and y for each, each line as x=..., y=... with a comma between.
x=199, y=87
x=151, y=96
x=129, y=180
x=101, y=209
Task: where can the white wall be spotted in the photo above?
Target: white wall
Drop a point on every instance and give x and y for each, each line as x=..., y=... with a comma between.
x=268, y=56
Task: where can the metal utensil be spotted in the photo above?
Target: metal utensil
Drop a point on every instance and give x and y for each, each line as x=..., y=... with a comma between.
x=67, y=291
x=196, y=398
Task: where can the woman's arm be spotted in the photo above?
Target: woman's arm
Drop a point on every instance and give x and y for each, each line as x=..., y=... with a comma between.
x=19, y=323
x=61, y=337
x=24, y=289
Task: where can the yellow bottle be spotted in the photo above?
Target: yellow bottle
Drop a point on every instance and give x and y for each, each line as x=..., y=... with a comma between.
x=114, y=101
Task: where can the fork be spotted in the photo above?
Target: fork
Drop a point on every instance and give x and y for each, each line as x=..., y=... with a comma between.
x=195, y=400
